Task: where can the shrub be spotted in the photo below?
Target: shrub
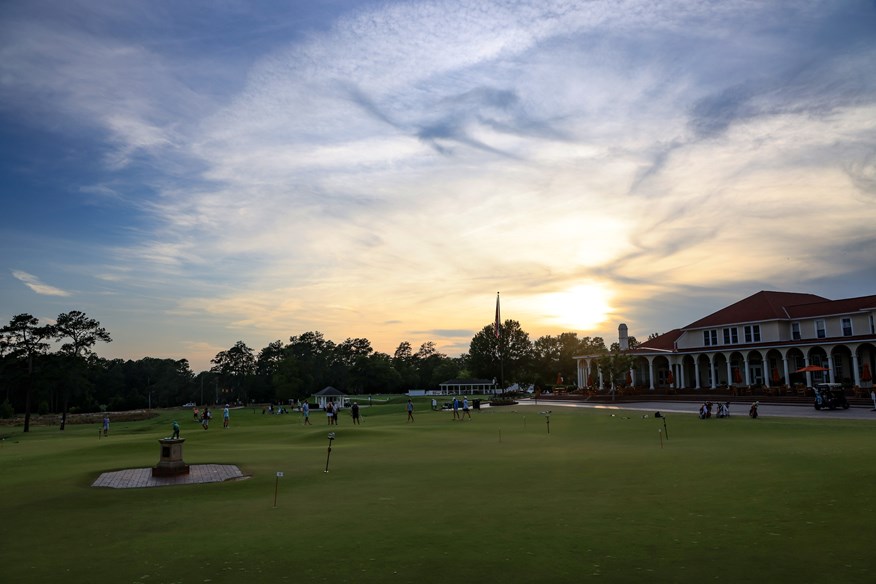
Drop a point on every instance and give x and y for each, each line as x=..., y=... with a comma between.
x=43, y=408
x=6, y=410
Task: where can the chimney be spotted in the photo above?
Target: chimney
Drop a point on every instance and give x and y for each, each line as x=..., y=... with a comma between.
x=623, y=338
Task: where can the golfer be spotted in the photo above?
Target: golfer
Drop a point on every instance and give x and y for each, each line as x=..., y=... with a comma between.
x=354, y=411
x=410, y=408
x=225, y=416
x=455, y=408
x=465, y=411
x=305, y=411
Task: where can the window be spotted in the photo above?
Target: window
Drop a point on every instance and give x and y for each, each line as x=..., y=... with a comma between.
x=752, y=333
x=820, y=331
x=710, y=338
x=731, y=336
x=795, y=331
x=847, y=327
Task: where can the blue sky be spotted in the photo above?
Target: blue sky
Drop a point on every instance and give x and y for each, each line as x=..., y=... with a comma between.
x=192, y=174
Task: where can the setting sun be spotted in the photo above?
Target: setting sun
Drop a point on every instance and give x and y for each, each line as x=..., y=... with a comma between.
x=582, y=307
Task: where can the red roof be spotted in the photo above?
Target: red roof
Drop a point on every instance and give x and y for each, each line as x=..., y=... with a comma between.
x=761, y=306
x=832, y=307
x=664, y=342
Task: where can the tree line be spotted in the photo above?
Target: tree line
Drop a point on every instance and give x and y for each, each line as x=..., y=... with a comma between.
x=73, y=378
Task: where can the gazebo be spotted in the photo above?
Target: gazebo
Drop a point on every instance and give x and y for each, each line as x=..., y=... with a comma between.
x=327, y=394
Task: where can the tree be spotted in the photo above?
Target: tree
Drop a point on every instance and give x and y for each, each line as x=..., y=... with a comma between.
x=404, y=364
x=237, y=365
x=614, y=367
x=554, y=358
x=23, y=338
x=505, y=358
x=82, y=334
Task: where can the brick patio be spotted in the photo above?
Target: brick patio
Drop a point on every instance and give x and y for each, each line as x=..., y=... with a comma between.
x=136, y=478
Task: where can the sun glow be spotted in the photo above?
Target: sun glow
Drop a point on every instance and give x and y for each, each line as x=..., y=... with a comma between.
x=582, y=307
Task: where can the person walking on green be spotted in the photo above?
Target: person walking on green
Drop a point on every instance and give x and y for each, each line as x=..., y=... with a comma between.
x=410, y=409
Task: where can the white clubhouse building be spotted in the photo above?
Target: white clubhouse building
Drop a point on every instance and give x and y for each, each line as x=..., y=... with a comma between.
x=759, y=341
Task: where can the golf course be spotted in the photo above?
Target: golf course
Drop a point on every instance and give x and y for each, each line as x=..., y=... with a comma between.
x=513, y=495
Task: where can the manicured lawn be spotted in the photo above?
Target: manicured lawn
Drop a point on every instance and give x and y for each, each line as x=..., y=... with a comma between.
x=497, y=499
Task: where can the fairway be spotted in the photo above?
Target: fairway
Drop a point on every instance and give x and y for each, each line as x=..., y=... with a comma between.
x=497, y=498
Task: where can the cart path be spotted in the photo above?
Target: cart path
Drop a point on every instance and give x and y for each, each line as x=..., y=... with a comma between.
x=737, y=408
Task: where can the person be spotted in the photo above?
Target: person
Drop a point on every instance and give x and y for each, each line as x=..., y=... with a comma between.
x=410, y=408
x=205, y=419
x=225, y=415
x=873, y=397
x=195, y=412
x=329, y=412
x=455, y=408
x=175, y=427
x=305, y=411
x=434, y=404
x=105, y=425
x=354, y=410
x=335, y=407
x=465, y=411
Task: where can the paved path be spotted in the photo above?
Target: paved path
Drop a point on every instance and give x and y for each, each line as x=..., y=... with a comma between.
x=737, y=408
x=134, y=478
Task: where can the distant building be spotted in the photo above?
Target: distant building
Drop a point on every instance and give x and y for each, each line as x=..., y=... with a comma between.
x=465, y=386
x=759, y=341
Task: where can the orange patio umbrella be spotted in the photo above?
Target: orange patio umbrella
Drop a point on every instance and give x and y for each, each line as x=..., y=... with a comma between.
x=775, y=375
x=737, y=375
x=670, y=379
x=812, y=369
x=865, y=373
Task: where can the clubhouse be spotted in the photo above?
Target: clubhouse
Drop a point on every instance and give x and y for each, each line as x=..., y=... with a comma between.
x=758, y=342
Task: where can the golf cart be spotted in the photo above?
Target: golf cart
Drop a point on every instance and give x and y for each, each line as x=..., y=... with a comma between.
x=830, y=396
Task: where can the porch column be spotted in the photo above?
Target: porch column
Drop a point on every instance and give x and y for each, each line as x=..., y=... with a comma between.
x=712, y=372
x=785, y=367
x=857, y=375
x=829, y=367
x=729, y=372
x=747, y=372
x=651, y=372
x=697, y=373
x=681, y=379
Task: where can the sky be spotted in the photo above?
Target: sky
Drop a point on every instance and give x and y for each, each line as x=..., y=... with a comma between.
x=196, y=173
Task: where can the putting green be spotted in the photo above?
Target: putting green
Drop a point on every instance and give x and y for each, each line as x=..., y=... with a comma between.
x=497, y=498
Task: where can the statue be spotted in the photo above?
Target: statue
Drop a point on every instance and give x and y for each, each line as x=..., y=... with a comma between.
x=175, y=427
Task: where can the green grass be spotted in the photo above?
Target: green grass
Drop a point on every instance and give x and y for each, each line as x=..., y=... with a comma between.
x=495, y=499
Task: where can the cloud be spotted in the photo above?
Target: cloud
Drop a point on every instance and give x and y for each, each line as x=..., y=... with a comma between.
x=382, y=171
x=37, y=286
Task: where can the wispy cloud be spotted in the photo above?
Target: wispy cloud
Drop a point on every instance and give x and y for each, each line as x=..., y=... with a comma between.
x=377, y=174
x=37, y=286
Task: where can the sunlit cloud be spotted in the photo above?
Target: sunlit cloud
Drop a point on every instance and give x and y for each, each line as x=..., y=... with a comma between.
x=384, y=173
x=37, y=286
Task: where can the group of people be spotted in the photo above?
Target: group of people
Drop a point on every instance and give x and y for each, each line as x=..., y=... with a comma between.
x=204, y=417
x=723, y=410
x=465, y=409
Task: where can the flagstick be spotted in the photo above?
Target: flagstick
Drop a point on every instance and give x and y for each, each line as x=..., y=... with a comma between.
x=660, y=431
